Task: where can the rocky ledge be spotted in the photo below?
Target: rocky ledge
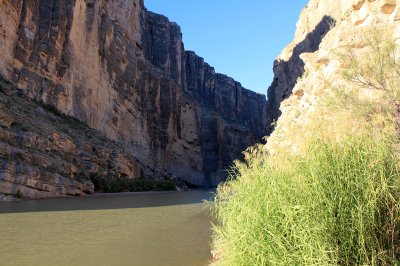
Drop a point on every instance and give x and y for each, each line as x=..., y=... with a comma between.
x=44, y=153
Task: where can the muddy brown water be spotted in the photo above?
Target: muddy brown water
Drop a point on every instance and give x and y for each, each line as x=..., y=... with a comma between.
x=140, y=229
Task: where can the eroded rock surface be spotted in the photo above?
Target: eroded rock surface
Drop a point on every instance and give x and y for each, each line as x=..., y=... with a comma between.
x=311, y=68
x=123, y=71
x=44, y=153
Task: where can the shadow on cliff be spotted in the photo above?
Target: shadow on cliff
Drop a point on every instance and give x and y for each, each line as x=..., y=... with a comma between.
x=108, y=202
x=287, y=72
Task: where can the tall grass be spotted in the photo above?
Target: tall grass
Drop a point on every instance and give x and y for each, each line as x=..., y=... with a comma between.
x=337, y=203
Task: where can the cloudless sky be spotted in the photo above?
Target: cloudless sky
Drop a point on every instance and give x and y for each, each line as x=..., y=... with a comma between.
x=238, y=38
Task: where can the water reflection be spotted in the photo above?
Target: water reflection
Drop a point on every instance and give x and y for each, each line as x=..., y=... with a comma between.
x=107, y=201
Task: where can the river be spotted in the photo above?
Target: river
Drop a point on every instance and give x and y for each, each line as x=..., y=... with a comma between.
x=138, y=229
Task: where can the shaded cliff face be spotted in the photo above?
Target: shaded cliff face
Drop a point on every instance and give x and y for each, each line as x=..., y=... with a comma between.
x=288, y=69
x=315, y=22
x=123, y=71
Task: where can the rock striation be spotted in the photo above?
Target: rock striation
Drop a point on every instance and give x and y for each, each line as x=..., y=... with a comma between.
x=44, y=153
x=123, y=71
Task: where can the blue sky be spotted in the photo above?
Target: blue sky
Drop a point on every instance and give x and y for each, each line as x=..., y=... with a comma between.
x=238, y=38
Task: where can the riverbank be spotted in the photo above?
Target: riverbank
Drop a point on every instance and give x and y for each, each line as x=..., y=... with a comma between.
x=8, y=198
x=13, y=198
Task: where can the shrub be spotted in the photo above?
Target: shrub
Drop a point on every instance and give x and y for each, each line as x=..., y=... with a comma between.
x=131, y=185
x=19, y=194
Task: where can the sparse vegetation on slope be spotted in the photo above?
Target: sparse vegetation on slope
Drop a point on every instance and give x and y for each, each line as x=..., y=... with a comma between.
x=132, y=185
x=336, y=200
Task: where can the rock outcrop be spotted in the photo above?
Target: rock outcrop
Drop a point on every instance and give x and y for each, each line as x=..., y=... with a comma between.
x=124, y=72
x=311, y=66
x=44, y=153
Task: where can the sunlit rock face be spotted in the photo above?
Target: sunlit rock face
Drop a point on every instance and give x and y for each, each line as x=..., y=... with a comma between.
x=311, y=61
x=45, y=154
x=123, y=71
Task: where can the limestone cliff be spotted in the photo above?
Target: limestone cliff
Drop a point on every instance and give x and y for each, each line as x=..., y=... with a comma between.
x=44, y=153
x=124, y=72
x=309, y=67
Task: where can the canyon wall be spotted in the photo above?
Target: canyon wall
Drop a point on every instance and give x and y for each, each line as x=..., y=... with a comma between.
x=310, y=69
x=44, y=153
x=123, y=71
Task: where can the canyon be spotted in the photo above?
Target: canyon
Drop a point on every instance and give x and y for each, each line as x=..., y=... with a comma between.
x=106, y=89
x=103, y=90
